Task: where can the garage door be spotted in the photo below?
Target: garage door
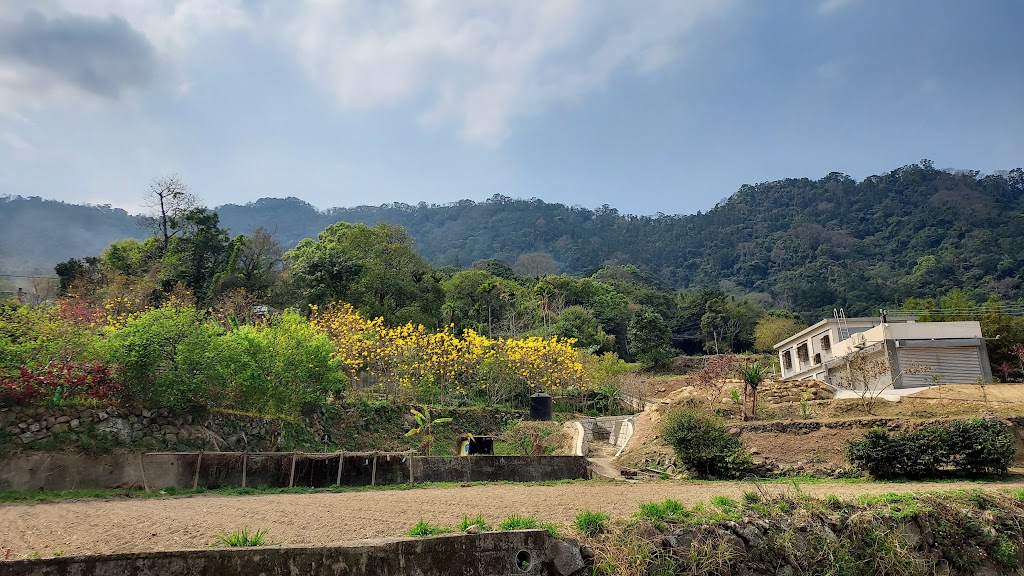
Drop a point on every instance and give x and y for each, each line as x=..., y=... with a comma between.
x=960, y=365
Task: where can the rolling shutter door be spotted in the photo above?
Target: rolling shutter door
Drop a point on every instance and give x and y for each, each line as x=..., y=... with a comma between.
x=959, y=365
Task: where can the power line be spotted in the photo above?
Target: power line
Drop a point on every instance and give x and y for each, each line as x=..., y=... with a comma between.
x=23, y=276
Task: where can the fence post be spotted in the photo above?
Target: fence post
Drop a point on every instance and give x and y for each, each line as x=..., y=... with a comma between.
x=373, y=473
x=245, y=465
x=291, y=477
x=199, y=463
x=142, y=465
x=411, y=480
x=341, y=463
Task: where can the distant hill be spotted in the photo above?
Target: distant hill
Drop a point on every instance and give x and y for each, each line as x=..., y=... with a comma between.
x=807, y=245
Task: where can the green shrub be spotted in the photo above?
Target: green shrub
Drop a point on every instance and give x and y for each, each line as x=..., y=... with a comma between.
x=517, y=522
x=591, y=523
x=424, y=528
x=275, y=368
x=982, y=446
x=704, y=446
x=480, y=521
x=973, y=447
x=164, y=358
x=243, y=538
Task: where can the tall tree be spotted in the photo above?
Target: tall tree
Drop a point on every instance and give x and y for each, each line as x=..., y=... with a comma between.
x=171, y=199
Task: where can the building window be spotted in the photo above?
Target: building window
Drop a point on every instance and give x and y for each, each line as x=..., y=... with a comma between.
x=801, y=352
x=787, y=360
x=817, y=358
x=826, y=342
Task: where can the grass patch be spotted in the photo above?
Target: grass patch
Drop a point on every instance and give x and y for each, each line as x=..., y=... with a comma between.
x=517, y=522
x=591, y=523
x=479, y=520
x=243, y=538
x=424, y=528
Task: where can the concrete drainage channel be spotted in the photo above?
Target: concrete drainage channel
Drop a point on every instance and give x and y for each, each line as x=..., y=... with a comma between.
x=488, y=554
x=603, y=432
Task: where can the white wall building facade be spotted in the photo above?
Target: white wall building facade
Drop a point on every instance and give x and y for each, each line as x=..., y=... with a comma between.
x=916, y=354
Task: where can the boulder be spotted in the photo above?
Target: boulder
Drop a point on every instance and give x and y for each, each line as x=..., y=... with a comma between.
x=564, y=557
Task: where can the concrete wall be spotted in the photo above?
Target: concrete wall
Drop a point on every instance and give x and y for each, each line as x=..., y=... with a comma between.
x=500, y=468
x=614, y=430
x=487, y=554
x=62, y=471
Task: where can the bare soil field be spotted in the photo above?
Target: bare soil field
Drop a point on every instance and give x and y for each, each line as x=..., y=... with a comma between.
x=124, y=525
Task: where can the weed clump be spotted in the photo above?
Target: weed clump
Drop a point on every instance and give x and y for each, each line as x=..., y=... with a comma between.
x=592, y=523
x=243, y=538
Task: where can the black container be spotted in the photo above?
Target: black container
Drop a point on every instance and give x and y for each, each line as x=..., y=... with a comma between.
x=540, y=406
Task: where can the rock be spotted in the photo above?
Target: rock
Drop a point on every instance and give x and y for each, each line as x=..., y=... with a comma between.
x=564, y=557
x=586, y=552
x=58, y=428
x=75, y=423
x=27, y=437
x=22, y=426
x=85, y=415
x=941, y=568
x=912, y=534
x=50, y=421
x=474, y=529
x=784, y=570
x=647, y=531
x=33, y=428
x=101, y=416
x=147, y=414
x=61, y=420
x=170, y=438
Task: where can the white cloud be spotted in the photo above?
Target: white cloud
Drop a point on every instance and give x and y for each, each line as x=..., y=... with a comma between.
x=482, y=65
x=17, y=142
x=830, y=6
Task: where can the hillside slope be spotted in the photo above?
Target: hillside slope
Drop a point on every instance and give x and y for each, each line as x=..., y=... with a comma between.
x=810, y=244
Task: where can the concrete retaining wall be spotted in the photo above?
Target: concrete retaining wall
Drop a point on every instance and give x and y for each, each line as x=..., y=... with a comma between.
x=487, y=554
x=62, y=471
x=614, y=430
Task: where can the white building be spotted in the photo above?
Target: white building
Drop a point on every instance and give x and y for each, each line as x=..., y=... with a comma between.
x=915, y=353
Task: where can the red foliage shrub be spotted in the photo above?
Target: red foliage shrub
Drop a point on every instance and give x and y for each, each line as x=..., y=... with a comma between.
x=68, y=381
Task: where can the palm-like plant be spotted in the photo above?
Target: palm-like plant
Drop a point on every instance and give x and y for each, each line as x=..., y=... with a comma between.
x=753, y=375
x=425, y=427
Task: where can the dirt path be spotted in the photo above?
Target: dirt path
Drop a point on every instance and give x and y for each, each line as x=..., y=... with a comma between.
x=94, y=527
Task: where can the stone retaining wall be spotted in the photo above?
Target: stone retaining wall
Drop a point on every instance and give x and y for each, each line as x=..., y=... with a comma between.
x=30, y=426
x=774, y=392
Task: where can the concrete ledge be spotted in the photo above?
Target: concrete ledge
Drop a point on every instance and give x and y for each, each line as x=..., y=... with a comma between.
x=487, y=554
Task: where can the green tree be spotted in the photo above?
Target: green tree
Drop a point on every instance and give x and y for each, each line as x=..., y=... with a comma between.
x=376, y=269
x=772, y=329
x=648, y=338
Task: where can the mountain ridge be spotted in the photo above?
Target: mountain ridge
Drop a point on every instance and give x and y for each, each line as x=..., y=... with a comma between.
x=803, y=244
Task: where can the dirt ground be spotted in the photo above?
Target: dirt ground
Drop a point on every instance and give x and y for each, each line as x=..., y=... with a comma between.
x=96, y=527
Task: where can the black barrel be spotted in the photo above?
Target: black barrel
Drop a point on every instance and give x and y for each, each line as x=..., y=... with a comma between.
x=540, y=406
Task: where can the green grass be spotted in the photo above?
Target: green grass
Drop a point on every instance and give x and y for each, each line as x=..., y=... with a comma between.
x=424, y=528
x=480, y=521
x=243, y=538
x=517, y=522
x=591, y=523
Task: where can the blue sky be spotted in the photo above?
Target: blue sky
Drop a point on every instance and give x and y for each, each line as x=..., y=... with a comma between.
x=646, y=105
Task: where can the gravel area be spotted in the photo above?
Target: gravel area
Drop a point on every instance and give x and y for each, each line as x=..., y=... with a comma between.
x=126, y=525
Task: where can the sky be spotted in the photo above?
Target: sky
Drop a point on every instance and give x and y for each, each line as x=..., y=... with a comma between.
x=645, y=105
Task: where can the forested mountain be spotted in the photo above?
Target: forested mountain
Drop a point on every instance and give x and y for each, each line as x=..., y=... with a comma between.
x=799, y=244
